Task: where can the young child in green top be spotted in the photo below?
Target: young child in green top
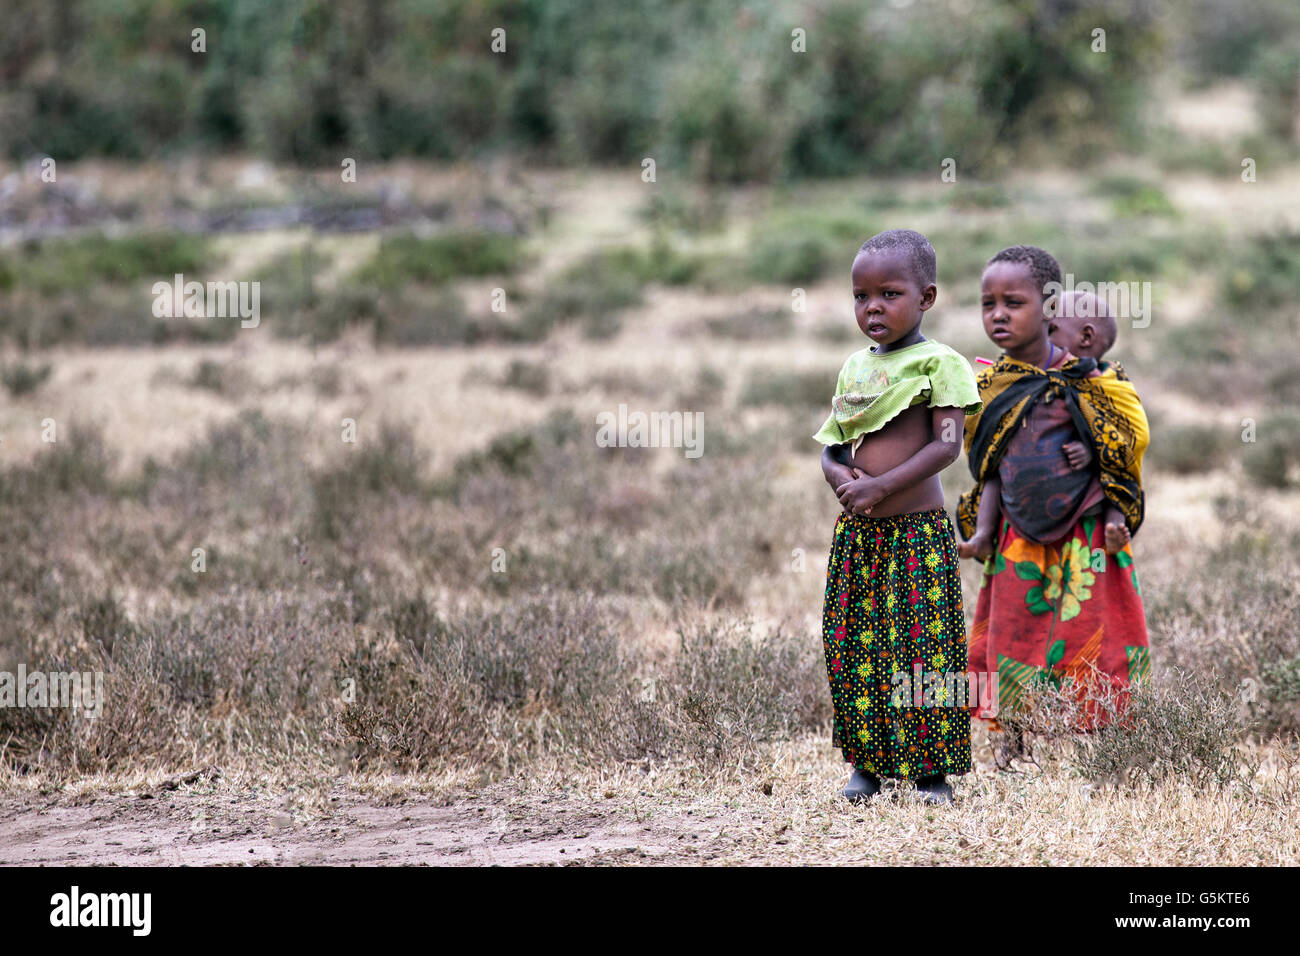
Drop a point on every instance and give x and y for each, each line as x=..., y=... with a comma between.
x=892, y=626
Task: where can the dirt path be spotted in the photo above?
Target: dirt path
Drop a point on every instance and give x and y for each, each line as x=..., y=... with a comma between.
x=129, y=831
x=790, y=812
x=1020, y=819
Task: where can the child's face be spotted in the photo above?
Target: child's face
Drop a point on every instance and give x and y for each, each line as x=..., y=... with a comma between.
x=1076, y=325
x=1075, y=335
x=887, y=299
x=1013, y=307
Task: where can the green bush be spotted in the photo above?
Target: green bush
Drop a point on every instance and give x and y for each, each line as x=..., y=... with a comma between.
x=1265, y=270
x=797, y=248
x=977, y=196
x=704, y=211
x=438, y=259
x=594, y=291
x=56, y=266
x=1277, y=83
x=1228, y=39
x=717, y=92
x=791, y=259
x=1132, y=197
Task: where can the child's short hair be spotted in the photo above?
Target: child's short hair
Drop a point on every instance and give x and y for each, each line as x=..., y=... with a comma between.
x=1042, y=264
x=919, y=252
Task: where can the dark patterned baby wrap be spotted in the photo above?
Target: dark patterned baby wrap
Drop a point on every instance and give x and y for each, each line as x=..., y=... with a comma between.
x=895, y=642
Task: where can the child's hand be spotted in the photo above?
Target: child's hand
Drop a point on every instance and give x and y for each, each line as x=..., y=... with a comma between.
x=861, y=493
x=1077, y=454
x=836, y=474
x=979, y=547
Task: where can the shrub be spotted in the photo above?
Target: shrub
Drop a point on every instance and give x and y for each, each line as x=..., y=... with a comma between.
x=1266, y=270
x=1270, y=459
x=787, y=389
x=800, y=242
x=1183, y=730
x=228, y=378
x=1132, y=197
x=70, y=265
x=388, y=464
x=22, y=379
x=438, y=259
x=704, y=211
x=1237, y=619
x=531, y=377
x=413, y=320
x=753, y=325
x=594, y=291
x=1189, y=449
x=1277, y=81
x=79, y=462
x=1178, y=728
x=738, y=689
x=550, y=676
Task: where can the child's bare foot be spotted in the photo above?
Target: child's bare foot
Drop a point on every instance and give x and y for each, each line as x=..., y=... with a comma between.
x=979, y=547
x=1117, y=535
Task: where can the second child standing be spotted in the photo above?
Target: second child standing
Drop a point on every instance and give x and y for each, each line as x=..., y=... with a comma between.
x=1060, y=600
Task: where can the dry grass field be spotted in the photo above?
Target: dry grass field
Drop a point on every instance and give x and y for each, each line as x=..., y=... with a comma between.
x=472, y=635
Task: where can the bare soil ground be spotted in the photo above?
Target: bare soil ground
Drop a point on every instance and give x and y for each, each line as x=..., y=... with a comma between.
x=127, y=832
x=655, y=816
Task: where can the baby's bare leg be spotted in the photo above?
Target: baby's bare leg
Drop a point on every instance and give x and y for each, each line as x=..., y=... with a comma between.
x=980, y=546
x=1117, y=533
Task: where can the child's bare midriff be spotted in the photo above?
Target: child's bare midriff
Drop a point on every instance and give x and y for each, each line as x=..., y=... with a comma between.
x=890, y=447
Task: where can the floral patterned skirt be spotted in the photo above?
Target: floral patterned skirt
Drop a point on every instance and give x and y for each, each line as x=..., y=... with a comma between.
x=1056, y=613
x=895, y=642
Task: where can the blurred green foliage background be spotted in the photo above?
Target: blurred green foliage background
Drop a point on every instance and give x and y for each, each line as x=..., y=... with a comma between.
x=888, y=86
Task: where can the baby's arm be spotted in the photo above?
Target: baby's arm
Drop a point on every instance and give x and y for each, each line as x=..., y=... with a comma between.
x=864, y=492
x=980, y=545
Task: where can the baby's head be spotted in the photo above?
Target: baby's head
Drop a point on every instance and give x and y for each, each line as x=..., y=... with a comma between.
x=893, y=285
x=1014, y=300
x=1083, y=325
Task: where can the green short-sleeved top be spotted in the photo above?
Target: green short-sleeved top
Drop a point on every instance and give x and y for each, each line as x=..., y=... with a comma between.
x=873, y=389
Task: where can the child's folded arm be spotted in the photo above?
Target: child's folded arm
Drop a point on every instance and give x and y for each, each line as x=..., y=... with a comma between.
x=834, y=471
x=934, y=456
